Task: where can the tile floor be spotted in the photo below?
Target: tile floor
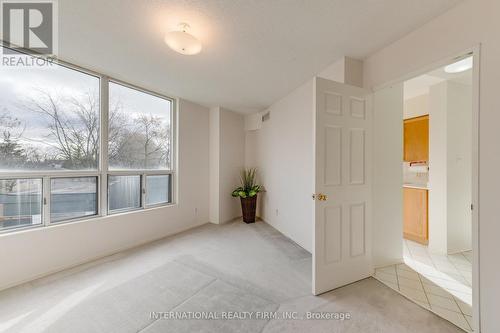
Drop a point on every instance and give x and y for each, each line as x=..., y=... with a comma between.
x=216, y=268
x=439, y=283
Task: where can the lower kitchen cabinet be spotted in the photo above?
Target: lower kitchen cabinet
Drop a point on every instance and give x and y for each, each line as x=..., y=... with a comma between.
x=415, y=215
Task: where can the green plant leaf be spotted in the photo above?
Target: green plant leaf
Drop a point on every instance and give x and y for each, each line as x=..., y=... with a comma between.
x=248, y=187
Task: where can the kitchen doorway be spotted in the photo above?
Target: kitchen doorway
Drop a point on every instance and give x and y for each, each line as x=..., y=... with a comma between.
x=439, y=192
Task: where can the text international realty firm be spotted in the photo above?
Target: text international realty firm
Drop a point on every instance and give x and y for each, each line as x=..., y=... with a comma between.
x=248, y=315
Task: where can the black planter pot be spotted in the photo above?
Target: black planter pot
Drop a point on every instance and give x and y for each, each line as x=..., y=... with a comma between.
x=248, y=208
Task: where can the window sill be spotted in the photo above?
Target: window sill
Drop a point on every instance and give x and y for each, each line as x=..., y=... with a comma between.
x=86, y=219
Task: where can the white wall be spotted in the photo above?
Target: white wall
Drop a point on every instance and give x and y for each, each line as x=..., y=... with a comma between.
x=438, y=179
x=387, y=176
x=227, y=159
x=469, y=23
x=232, y=161
x=214, y=162
x=335, y=71
x=416, y=106
x=283, y=152
x=459, y=167
x=43, y=251
x=450, y=160
x=345, y=70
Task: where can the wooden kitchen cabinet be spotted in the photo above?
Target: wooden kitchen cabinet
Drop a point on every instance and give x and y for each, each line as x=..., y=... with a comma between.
x=415, y=215
x=416, y=139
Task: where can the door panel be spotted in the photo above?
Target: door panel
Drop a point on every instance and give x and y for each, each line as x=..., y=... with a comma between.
x=357, y=225
x=333, y=155
x=342, y=245
x=332, y=233
x=357, y=156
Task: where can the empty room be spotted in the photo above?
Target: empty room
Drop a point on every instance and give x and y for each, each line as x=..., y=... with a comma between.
x=249, y=166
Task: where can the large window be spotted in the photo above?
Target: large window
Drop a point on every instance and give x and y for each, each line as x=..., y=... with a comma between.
x=49, y=119
x=139, y=130
x=139, y=148
x=65, y=155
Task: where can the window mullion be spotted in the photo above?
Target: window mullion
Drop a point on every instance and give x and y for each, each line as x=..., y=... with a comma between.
x=46, y=200
x=143, y=191
x=103, y=147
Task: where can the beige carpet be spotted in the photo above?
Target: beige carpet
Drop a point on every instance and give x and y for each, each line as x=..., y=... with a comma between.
x=211, y=270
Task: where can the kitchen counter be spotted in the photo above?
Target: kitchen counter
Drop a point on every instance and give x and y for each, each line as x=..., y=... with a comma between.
x=417, y=186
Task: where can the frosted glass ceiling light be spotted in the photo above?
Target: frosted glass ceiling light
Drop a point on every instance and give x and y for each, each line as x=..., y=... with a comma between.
x=459, y=66
x=183, y=42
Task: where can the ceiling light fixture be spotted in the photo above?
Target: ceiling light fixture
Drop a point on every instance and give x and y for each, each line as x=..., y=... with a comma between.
x=183, y=42
x=459, y=66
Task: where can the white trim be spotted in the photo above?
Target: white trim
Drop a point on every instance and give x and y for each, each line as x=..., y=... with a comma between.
x=52, y=174
x=174, y=160
x=132, y=172
x=103, y=146
x=476, y=113
x=169, y=194
x=428, y=68
x=10, y=230
x=77, y=218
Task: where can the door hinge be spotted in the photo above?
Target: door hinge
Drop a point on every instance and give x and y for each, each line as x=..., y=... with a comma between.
x=471, y=207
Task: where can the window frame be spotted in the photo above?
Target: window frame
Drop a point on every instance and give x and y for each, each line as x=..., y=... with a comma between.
x=24, y=227
x=49, y=200
x=169, y=191
x=131, y=209
x=102, y=170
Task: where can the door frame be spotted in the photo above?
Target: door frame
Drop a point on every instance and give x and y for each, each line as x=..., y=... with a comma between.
x=475, y=51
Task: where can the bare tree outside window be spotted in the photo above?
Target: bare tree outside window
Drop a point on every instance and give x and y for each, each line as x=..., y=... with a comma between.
x=71, y=135
x=49, y=119
x=72, y=128
x=12, y=153
x=139, y=130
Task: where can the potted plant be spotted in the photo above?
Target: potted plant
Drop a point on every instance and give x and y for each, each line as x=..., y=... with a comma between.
x=247, y=193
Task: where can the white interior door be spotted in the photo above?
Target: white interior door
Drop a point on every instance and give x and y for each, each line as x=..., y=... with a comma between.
x=342, y=231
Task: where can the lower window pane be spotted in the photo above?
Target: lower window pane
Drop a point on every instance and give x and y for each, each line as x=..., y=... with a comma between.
x=124, y=192
x=20, y=202
x=157, y=189
x=72, y=198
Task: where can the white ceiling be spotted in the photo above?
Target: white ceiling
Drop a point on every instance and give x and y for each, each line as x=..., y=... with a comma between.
x=254, y=51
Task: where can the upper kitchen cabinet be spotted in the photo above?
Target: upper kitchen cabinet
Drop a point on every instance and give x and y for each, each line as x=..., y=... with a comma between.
x=416, y=139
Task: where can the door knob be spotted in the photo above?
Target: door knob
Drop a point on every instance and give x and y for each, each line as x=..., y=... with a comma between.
x=320, y=197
